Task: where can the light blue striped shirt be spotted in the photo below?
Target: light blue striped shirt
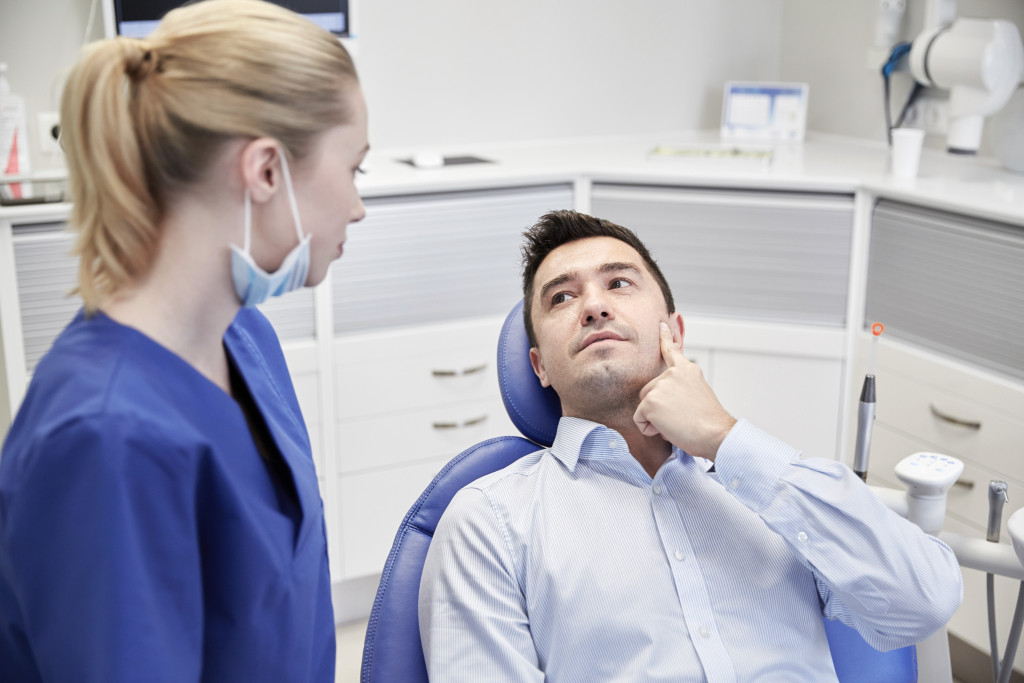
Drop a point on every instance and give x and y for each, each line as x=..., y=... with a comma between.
x=572, y=564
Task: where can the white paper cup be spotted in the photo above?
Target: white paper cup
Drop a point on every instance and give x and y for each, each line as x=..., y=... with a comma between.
x=906, y=152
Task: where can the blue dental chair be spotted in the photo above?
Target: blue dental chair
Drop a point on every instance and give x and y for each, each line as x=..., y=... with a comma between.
x=392, y=650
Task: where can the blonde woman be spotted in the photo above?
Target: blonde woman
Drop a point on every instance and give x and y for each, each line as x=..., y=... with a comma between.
x=159, y=512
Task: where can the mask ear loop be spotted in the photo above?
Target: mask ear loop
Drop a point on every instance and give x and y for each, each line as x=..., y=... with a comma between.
x=291, y=195
x=248, y=221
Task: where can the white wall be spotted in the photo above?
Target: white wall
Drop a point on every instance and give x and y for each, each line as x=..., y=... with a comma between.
x=460, y=71
x=463, y=71
x=40, y=40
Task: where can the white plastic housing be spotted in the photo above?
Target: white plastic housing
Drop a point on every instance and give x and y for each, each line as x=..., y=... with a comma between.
x=928, y=477
x=980, y=62
x=1015, y=527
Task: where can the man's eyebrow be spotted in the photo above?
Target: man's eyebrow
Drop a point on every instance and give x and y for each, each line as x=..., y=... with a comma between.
x=618, y=266
x=558, y=281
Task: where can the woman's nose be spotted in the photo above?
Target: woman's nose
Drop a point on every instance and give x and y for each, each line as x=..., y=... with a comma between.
x=358, y=211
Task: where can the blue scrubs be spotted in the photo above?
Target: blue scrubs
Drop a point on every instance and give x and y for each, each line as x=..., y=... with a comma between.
x=142, y=536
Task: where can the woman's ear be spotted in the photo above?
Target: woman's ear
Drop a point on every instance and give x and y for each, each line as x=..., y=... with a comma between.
x=261, y=168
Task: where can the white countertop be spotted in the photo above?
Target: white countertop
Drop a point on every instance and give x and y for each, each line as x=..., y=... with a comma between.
x=823, y=163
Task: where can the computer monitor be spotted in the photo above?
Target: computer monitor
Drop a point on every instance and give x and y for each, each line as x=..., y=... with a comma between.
x=138, y=18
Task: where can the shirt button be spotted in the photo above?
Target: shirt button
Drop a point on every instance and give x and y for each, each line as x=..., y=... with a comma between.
x=734, y=484
x=679, y=555
x=613, y=444
x=704, y=632
x=657, y=490
x=801, y=537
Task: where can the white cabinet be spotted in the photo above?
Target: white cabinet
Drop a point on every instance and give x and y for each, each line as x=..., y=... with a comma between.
x=407, y=401
x=794, y=398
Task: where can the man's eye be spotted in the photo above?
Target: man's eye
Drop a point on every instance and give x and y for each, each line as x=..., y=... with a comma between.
x=359, y=170
x=620, y=282
x=560, y=298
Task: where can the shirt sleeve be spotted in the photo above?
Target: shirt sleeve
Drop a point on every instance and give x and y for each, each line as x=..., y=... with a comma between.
x=103, y=558
x=473, y=621
x=876, y=571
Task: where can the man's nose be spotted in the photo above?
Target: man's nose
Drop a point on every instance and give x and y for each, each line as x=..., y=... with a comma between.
x=596, y=307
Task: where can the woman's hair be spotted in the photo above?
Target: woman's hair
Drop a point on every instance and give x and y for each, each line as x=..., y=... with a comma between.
x=144, y=119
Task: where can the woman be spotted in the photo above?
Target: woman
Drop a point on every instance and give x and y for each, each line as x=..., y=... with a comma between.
x=159, y=512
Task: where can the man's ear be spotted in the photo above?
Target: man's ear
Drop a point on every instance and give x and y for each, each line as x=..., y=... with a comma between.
x=261, y=168
x=676, y=326
x=538, y=367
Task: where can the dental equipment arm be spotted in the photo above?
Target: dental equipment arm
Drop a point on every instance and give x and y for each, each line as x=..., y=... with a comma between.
x=925, y=500
x=980, y=63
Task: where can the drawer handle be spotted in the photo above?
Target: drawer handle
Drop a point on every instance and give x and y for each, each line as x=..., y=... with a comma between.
x=969, y=424
x=455, y=425
x=455, y=373
x=964, y=484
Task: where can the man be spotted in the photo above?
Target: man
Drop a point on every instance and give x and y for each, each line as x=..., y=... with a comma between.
x=658, y=539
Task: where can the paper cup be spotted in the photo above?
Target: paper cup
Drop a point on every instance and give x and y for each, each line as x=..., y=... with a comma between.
x=906, y=152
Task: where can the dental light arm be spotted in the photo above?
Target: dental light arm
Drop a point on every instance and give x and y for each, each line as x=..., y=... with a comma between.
x=980, y=63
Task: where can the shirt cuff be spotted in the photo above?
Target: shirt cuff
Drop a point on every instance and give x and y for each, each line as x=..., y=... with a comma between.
x=750, y=463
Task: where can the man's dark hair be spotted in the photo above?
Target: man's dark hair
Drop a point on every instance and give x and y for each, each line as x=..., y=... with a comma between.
x=556, y=228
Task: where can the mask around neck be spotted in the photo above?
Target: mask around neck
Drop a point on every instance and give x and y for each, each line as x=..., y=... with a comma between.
x=253, y=285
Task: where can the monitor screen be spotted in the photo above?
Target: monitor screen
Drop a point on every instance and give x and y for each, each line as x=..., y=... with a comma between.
x=138, y=18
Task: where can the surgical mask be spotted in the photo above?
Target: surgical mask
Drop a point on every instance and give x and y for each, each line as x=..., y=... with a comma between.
x=253, y=284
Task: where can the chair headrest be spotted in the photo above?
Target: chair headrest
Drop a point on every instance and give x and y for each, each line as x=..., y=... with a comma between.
x=534, y=409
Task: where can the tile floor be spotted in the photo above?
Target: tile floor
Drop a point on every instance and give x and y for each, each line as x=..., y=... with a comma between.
x=350, y=651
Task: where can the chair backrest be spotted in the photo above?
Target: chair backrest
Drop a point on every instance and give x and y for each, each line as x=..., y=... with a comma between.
x=392, y=650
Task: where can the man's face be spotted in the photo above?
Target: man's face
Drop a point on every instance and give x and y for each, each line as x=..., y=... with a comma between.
x=596, y=314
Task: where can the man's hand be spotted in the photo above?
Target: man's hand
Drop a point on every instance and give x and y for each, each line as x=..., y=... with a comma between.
x=679, y=405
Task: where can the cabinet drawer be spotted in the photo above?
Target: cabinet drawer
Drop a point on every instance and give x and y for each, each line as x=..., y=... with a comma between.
x=913, y=406
x=394, y=372
x=967, y=501
x=371, y=507
x=438, y=431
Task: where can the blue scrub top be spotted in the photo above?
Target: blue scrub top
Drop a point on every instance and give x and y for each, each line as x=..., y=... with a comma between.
x=141, y=536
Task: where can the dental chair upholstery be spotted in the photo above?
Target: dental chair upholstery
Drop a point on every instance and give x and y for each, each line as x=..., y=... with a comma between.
x=392, y=650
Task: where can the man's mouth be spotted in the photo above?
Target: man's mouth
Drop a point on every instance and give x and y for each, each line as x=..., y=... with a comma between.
x=598, y=337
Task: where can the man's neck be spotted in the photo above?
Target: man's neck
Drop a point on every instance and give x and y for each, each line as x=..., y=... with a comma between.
x=650, y=451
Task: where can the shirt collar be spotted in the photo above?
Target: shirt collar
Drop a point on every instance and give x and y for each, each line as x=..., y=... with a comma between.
x=578, y=439
x=572, y=434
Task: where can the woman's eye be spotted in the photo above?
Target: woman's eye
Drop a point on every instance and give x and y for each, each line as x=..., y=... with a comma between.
x=619, y=283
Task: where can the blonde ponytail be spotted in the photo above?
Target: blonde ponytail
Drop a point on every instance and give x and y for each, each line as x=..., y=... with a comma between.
x=114, y=211
x=143, y=119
